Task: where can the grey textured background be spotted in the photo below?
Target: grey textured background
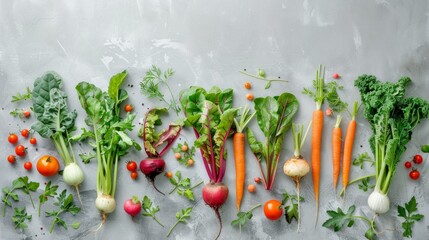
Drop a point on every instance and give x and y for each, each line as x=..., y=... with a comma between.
x=207, y=42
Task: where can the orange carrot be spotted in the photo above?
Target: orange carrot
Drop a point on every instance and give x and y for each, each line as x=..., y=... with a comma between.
x=336, y=150
x=348, y=146
x=316, y=140
x=239, y=154
x=240, y=167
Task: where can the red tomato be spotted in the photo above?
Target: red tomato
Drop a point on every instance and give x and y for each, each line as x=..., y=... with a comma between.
x=415, y=174
x=418, y=159
x=131, y=166
x=26, y=114
x=33, y=141
x=257, y=180
x=11, y=158
x=48, y=166
x=28, y=165
x=335, y=76
x=134, y=175
x=273, y=209
x=408, y=164
x=169, y=174
x=13, y=138
x=20, y=150
x=25, y=133
x=128, y=108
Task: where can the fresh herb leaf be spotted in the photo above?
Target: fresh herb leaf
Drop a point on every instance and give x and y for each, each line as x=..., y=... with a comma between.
x=291, y=210
x=338, y=219
x=410, y=218
x=20, y=217
x=181, y=218
x=149, y=210
x=366, y=184
x=183, y=186
x=361, y=159
x=65, y=205
x=22, y=97
x=75, y=225
x=185, y=156
x=150, y=86
x=244, y=217
x=261, y=75
x=22, y=184
x=18, y=112
x=50, y=191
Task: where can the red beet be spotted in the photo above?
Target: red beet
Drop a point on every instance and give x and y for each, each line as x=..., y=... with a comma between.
x=152, y=167
x=215, y=195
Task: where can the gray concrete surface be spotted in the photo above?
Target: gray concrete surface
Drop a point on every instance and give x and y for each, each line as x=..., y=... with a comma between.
x=207, y=43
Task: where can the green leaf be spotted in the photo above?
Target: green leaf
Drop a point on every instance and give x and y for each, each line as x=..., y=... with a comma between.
x=244, y=217
x=268, y=85
x=41, y=90
x=189, y=194
x=361, y=159
x=370, y=234
x=410, y=219
x=115, y=84
x=411, y=206
x=291, y=212
x=21, y=97
x=401, y=212
x=266, y=114
x=339, y=219
x=75, y=225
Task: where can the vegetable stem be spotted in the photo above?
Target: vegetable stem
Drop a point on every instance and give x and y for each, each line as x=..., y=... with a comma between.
x=198, y=184
x=172, y=228
x=261, y=78
x=357, y=180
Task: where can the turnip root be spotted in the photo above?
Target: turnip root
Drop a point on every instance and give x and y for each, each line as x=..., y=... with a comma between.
x=215, y=195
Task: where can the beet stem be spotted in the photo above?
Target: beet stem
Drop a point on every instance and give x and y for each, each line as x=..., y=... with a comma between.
x=154, y=186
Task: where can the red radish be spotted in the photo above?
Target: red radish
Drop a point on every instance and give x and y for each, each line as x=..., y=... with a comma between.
x=336, y=76
x=215, y=195
x=133, y=206
x=154, y=165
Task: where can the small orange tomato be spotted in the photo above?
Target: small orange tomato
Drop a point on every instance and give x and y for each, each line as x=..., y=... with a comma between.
x=190, y=162
x=249, y=96
x=33, y=141
x=184, y=148
x=251, y=188
x=48, y=166
x=169, y=174
x=247, y=85
x=177, y=155
x=26, y=113
x=273, y=209
x=128, y=108
x=134, y=175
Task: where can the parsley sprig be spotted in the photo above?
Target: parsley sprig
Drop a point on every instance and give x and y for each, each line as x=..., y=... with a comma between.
x=291, y=210
x=22, y=97
x=150, y=86
x=244, y=217
x=21, y=184
x=65, y=205
x=20, y=217
x=181, y=218
x=183, y=186
x=150, y=210
x=406, y=212
x=50, y=191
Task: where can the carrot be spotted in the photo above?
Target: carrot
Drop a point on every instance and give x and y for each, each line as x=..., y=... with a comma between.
x=316, y=141
x=239, y=154
x=348, y=146
x=336, y=150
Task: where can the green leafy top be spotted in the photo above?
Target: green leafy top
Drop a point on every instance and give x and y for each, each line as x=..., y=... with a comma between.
x=274, y=116
x=181, y=218
x=64, y=204
x=291, y=210
x=21, y=183
x=361, y=159
x=410, y=218
x=212, y=117
x=50, y=191
x=150, y=86
x=153, y=139
x=109, y=129
x=149, y=210
x=392, y=117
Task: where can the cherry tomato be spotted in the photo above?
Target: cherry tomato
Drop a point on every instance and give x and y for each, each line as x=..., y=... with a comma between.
x=247, y=85
x=48, y=166
x=134, y=175
x=251, y=188
x=128, y=108
x=184, y=148
x=169, y=174
x=249, y=96
x=28, y=165
x=415, y=174
x=33, y=141
x=25, y=133
x=257, y=180
x=336, y=76
x=13, y=138
x=408, y=164
x=190, y=162
x=177, y=155
x=131, y=166
x=26, y=113
x=11, y=158
x=20, y=150
x=418, y=159
x=328, y=112
x=273, y=209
